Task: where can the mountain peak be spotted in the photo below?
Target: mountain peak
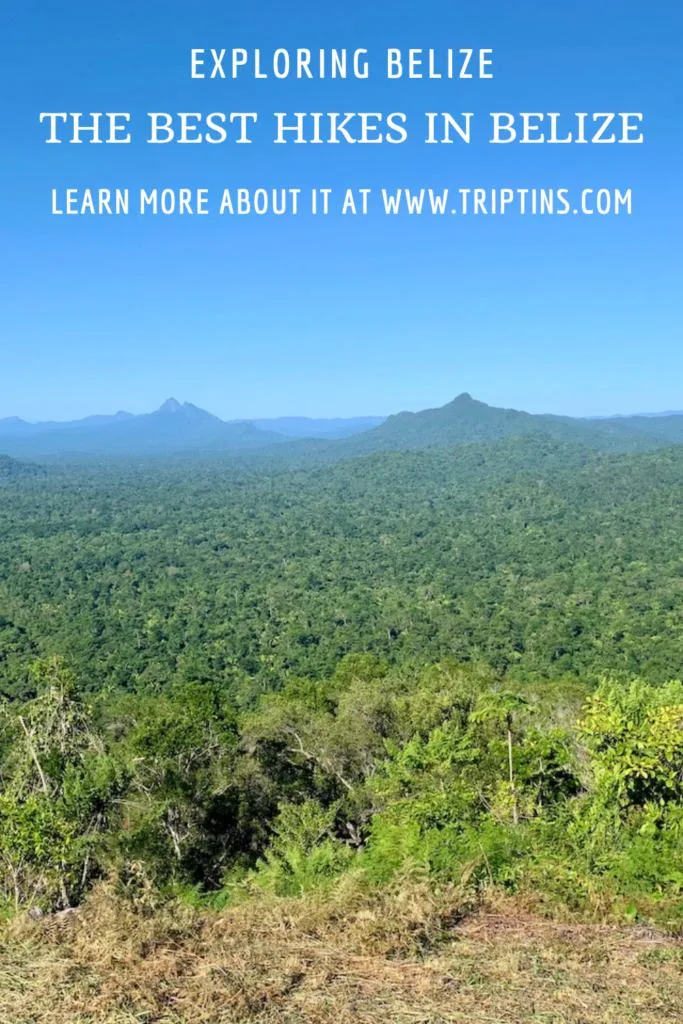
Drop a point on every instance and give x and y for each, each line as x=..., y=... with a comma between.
x=170, y=405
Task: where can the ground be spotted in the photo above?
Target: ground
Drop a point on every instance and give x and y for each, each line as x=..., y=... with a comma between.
x=403, y=960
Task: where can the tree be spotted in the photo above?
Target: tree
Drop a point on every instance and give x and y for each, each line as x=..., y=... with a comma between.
x=500, y=709
x=59, y=792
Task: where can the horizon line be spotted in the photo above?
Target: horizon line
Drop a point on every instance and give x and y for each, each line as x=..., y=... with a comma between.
x=172, y=402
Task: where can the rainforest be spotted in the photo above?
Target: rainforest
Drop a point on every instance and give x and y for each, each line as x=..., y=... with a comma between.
x=395, y=680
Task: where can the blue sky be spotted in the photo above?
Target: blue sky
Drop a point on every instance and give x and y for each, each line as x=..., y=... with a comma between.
x=340, y=316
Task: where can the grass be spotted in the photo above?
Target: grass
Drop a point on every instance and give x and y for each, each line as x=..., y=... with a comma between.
x=408, y=957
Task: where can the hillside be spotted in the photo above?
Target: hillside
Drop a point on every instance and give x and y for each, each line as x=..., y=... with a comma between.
x=667, y=428
x=466, y=420
x=12, y=470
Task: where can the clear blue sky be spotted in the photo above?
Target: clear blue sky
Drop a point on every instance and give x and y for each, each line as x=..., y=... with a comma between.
x=341, y=316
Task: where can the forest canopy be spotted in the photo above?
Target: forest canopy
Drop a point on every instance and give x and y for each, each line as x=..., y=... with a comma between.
x=221, y=676
x=542, y=560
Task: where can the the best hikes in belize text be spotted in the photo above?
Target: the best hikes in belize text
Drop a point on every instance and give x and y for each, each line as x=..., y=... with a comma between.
x=463, y=68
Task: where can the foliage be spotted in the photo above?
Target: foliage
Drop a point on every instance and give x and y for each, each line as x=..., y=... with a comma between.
x=222, y=682
x=635, y=734
x=161, y=574
x=58, y=791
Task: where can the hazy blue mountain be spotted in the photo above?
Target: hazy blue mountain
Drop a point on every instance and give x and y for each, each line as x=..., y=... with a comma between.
x=291, y=427
x=183, y=428
x=21, y=428
x=12, y=425
x=173, y=428
x=639, y=415
x=665, y=427
x=300, y=427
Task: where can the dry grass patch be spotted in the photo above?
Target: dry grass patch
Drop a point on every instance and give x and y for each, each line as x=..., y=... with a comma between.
x=406, y=958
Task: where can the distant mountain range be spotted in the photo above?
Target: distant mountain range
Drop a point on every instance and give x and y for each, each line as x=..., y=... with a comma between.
x=300, y=427
x=173, y=428
x=177, y=428
x=20, y=428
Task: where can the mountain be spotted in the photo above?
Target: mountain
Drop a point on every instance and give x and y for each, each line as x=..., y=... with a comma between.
x=177, y=428
x=300, y=427
x=17, y=427
x=639, y=415
x=290, y=427
x=466, y=420
x=174, y=428
x=667, y=428
x=14, y=425
x=463, y=419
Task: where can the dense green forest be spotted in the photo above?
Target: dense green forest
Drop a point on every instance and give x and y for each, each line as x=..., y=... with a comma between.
x=222, y=675
x=541, y=560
